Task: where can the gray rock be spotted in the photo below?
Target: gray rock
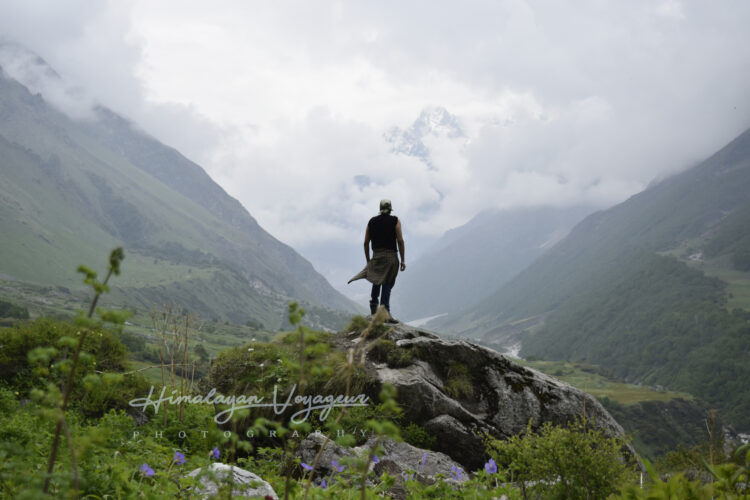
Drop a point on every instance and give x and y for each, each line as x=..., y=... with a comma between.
x=401, y=458
x=246, y=484
x=457, y=391
x=308, y=450
x=398, y=459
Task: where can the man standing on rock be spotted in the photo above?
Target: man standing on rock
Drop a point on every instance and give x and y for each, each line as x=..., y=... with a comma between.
x=384, y=231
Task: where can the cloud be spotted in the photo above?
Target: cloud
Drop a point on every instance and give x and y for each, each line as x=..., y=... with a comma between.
x=95, y=55
x=29, y=69
x=286, y=104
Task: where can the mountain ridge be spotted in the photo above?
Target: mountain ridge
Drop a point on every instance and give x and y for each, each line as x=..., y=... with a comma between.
x=83, y=185
x=469, y=261
x=637, y=287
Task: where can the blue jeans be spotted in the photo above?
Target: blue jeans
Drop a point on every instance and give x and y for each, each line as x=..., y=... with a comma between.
x=385, y=296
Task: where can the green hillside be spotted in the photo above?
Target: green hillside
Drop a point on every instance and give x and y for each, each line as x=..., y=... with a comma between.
x=648, y=288
x=72, y=190
x=489, y=249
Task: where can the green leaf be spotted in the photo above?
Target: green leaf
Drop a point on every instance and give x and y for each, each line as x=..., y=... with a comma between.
x=89, y=273
x=91, y=381
x=69, y=342
x=113, y=378
x=117, y=317
x=84, y=321
x=42, y=355
x=115, y=259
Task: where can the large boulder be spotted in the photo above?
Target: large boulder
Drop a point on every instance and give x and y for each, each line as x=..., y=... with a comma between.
x=458, y=391
x=245, y=483
x=399, y=459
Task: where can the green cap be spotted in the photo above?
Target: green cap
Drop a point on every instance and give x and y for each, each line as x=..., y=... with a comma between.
x=385, y=206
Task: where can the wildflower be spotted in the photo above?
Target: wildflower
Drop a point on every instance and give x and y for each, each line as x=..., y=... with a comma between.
x=375, y=459
x=491, y=467
x=457, y=474
x=216, y=453
x=179, y=458
x=323, y=484
x=146, y=470
x=250, y=349
x=278, y=380
x=424, y=459
x=262, y=365
x=279, y=360
x=305, y=466
x=338, y=467
x=253, y=339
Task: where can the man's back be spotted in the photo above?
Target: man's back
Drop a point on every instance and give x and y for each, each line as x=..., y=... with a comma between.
x=383, y=231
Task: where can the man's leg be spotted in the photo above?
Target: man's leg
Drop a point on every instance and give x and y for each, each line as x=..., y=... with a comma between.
x=385, y=296
x=374, y=298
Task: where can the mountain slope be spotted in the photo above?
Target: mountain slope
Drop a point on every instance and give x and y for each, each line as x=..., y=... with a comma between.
x=72, y=190
x=471, y=261
x=634, y=288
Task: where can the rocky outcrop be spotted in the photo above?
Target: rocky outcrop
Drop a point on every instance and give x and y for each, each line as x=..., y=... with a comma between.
x=245, y=483
x=400, y=460
x=458, y=391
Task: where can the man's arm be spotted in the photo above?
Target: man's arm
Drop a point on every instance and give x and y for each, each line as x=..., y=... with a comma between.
x=367, y=244
x=400, y=242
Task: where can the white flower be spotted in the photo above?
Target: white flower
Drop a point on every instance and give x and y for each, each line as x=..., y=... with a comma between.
x=278, y=380
x=253, y=339
x=250, y=349
x=261, y=365
x=279, y=360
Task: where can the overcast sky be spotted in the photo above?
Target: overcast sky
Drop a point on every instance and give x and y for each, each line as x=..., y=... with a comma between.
x=286, y=104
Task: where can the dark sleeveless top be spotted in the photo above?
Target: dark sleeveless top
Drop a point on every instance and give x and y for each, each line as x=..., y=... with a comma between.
x=383, y=231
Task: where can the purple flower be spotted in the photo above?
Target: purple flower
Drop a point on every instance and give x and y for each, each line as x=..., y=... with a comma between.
x=491, y=467
x=305, y=466
x=458, y=472
x=424, y=459
x=216, y=453
x=375, y=459
x=406, y=477
x=323, y=484
x=179, y=458
x=338, y=467
x=146, y=470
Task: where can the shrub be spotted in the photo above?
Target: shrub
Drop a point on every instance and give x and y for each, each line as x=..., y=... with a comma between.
x=9, y=310
x=415, y=435
x=17, y=370
x=563, y=462
x=458, y=383
x=357, y=324
x=386, y=351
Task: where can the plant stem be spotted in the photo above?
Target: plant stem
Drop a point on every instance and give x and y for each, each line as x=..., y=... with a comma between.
x=68, y=390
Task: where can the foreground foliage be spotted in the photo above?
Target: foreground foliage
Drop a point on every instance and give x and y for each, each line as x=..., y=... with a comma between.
x=97, y=446
x=118, y=458
x=564, y=462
